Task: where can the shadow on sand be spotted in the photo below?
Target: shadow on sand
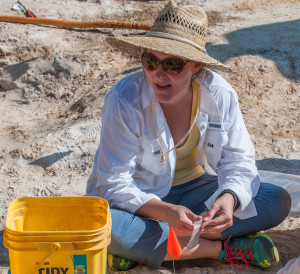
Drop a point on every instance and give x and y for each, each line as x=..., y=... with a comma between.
x=279, y=165
x=279, y=42
x=50, y=159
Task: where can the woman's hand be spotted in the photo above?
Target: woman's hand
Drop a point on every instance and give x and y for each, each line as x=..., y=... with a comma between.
x=181, y=219
x=223, y=207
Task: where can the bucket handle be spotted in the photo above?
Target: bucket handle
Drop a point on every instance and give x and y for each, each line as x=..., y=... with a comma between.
x=54, y=247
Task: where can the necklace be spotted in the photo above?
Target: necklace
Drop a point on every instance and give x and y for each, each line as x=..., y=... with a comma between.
x=163, y=158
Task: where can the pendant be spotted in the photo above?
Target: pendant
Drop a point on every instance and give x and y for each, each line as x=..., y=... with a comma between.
x=162, y=160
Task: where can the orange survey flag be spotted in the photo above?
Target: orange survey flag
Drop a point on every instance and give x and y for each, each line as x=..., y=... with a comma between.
x=173, y=247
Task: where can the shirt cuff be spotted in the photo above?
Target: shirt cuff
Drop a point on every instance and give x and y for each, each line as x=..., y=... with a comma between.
x=235, y=197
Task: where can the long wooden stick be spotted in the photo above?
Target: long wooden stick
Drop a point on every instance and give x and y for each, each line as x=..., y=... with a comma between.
x=75, y=24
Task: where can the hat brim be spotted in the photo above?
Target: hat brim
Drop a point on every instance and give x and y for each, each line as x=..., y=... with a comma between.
x=133, y=46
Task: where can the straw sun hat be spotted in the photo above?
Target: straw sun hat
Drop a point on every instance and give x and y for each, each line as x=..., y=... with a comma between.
x=179, y=31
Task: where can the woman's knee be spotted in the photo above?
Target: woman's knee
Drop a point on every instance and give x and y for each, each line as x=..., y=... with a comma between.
x=283, y=205
x=138, y=238
x=279, y=202
x=121, y=221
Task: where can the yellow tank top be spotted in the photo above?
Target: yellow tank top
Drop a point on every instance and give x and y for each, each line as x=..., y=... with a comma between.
x=187, y=167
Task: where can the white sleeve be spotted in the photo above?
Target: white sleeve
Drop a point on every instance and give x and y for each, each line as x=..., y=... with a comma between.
x=236, y=168
x=115, y=159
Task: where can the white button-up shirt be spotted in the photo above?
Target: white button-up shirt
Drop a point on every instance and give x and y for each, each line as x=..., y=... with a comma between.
x=127, y=168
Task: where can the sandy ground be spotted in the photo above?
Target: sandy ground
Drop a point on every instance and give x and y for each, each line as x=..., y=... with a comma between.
x=53, y=81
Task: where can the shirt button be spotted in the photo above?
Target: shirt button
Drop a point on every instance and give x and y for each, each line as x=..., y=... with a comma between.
x=202, y=127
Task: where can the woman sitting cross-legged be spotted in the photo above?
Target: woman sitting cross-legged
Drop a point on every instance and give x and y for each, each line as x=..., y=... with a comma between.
x=174, y=150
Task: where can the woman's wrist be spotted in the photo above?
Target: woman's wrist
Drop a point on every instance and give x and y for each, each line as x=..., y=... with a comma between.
x=235, y=197
x=155, y=209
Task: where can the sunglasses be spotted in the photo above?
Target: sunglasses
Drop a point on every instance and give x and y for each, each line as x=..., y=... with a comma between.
x=170, y=65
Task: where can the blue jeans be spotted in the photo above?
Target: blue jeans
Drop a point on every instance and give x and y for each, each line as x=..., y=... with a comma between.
x=145, y=240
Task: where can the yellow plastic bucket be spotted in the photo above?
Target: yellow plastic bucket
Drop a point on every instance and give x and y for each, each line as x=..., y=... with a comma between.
x=58, y=235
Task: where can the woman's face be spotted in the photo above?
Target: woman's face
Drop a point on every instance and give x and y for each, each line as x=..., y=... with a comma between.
x=171, y=88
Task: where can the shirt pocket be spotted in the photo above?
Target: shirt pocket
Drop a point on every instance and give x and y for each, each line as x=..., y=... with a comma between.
x=151, y=156
x=215, y=139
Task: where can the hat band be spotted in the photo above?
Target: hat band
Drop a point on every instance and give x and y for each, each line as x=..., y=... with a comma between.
x=174, y=37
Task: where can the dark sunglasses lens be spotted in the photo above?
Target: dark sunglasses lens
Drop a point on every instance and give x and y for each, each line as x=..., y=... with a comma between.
x=149, y=62
x=173, y=66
